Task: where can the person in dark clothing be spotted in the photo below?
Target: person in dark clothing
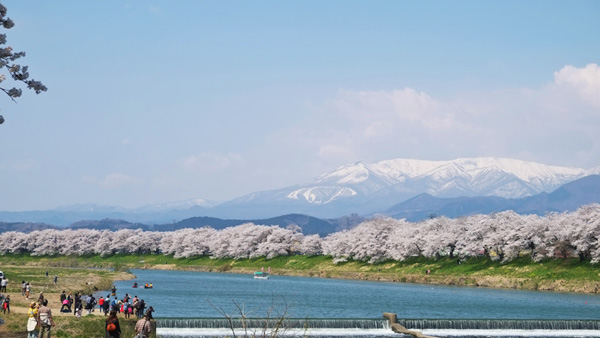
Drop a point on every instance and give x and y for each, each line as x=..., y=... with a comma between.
x=149, y=313
x=106, y=305
x=6, y=304
x=141, y=308
x=113, y=329
x=78, y=305
x=64, y=303
x=70, y=299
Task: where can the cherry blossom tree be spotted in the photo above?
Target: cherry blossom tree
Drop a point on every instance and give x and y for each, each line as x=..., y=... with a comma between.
x=16, y=72
x=502, y=236
x=311, y=245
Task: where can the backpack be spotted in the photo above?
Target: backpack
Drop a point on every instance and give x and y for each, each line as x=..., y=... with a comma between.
x=111, y=327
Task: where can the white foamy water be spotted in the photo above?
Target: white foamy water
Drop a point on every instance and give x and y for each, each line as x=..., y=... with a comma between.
x=221, y=332
x=510, y=333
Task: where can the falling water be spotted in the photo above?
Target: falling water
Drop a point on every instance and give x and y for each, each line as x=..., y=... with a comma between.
x=499, y=324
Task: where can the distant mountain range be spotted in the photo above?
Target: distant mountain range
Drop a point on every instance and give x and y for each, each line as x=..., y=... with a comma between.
x=367, y=188
x=309, y=225
x=569, y=197
x=400, y=187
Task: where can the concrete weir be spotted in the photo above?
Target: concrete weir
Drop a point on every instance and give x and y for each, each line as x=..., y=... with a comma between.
x=393, y=318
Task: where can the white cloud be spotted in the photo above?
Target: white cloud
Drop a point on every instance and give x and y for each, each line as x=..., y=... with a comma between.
x=585, y=81
x=208, y=162
x=378, y=129
x=556, y=123
x=375, y=109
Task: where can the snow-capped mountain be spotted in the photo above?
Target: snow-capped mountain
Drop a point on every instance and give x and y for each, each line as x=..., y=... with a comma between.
x=359, y=188
x=465, y=176
x=362, y=187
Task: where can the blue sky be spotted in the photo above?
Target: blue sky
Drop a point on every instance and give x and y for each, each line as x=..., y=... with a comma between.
x=160, y=101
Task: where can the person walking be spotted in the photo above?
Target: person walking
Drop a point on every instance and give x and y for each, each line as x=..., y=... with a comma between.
x=101, y=304
x=126, y=306
x=143, y=327
x=113, y=329
x=32, y=321
x=78, y=306
x=106, y=305
x=6, y=304
x=89, y=304
x=3, y=284
x=69, y=301
x=45, y=319
x=27, y=290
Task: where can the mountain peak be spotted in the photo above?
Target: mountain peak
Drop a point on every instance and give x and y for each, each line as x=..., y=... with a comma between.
x=402, y=178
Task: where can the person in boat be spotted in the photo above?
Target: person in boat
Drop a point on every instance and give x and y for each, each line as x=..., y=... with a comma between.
x=146, y=285
x=135, y=285
x=114, y=290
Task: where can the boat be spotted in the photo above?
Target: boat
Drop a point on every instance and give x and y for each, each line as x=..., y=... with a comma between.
x=261, y=275
x=148, y=286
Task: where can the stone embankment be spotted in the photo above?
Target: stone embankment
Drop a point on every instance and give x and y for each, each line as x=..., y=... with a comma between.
x=401, y=329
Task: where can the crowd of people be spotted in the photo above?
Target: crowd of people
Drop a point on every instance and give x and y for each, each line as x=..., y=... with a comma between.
x=127, y=306
x=40, y=320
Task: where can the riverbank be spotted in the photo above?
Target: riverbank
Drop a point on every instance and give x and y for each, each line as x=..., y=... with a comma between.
x=561, y=275
x=70, y=279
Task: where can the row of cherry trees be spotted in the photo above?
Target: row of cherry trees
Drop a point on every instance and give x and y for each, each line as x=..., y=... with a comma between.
x=500, y=236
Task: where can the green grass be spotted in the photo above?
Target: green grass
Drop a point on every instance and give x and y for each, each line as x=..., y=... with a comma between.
x=71, y=327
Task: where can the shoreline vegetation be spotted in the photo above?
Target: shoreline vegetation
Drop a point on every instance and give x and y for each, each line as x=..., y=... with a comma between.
x=91, y=272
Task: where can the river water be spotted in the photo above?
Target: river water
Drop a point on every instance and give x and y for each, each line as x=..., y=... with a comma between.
x=207, y=296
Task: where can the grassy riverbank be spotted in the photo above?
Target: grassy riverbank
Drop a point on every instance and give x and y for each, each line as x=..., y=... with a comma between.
x=71, y=279
x=568, y=275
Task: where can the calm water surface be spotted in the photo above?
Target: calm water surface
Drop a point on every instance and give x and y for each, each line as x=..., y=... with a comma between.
x=190, y=294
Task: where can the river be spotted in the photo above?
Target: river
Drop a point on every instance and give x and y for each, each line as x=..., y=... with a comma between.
x=185, y=294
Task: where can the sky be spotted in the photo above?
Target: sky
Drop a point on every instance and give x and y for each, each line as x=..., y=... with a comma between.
x=151, y=102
